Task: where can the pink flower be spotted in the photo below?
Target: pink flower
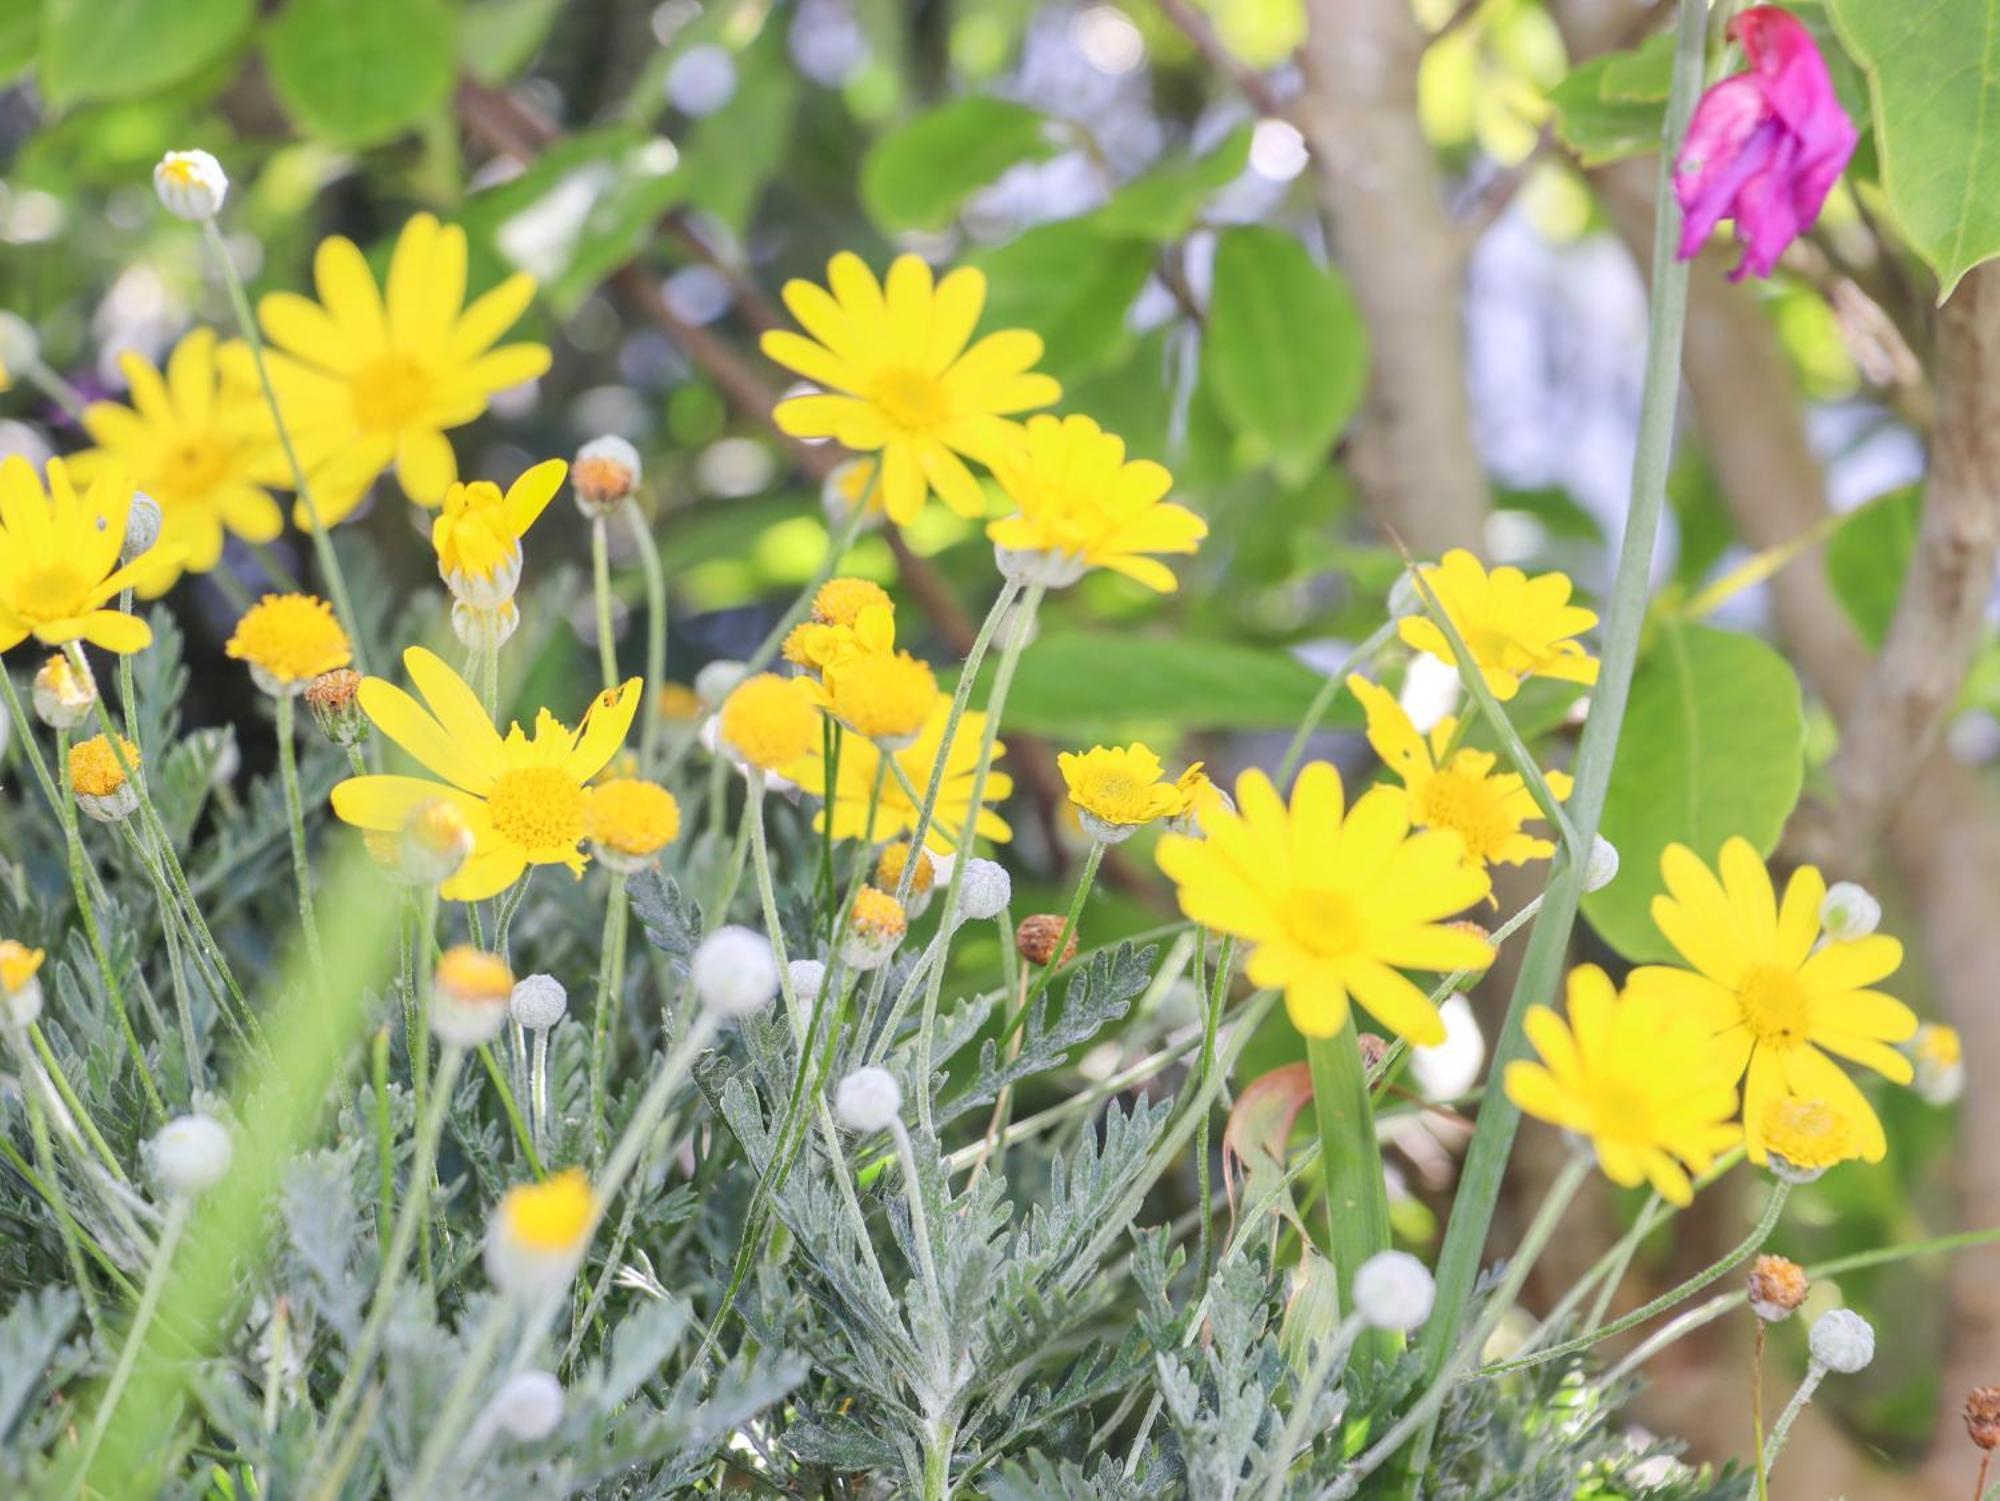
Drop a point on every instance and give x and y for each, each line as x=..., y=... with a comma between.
x=1765, y=147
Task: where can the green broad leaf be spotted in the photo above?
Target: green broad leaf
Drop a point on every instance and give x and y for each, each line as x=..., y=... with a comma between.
x=20, y=39
x=123, y=49
x=360, y=72
x=1713, y=746
x=1286, y=354
x=1868, y=558
x=1072, y=285
x=916, y=176
x=1164, y=204
x=1615, y=106
x=500, y=37
x=1934, y=93
x=1079, y=684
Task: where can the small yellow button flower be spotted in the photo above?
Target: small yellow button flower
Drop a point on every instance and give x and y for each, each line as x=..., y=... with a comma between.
x=469, y=997
x=874, y=929
x=1516, y=627
x=288, y=640
x=771, y=723
x=1803, y=1138
x=20, y=987
x=63, y=696
x=899, y=379
x=677, y=703
x=538, y=1234
x=895, y=859
x=99, y=781
x=886, y=696
x=1118, y=790
x=1644, y=1082
x=478, y=533
x=59, y=560
x=630, y=821
x=848, y=615
x=850, y=793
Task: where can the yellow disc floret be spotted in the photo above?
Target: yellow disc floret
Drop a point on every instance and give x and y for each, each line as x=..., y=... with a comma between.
x=18, y=965
x=553, y=1215
x=841, y=601
x=1122, y=786
x=93, y=766
x=895, y=860
x=771, y=722
x=877, y=915
x=885, y=696
x=470, y=974
x=1810, y=1135
x=632, y=817
x=290, y=639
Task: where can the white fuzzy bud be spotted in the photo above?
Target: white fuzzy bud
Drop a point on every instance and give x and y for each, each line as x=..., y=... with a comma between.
x=1842, y=1341
x=1848, y=912
x=867, y=1100
x=717, y=681
x=1603, y=867
x=20, y=345
x=735, y=971
x=142, y=526
x=538, y=1002
x=605, y=474
x=1029, y=567
x=192, y=1153
x=191, y=184
x=984, y=890
x=528, y=1407
x=1394, y=1290
x=481, y=629
x=807, y=975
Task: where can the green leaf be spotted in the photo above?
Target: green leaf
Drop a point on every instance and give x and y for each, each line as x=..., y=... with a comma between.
x=729, y=157
x=1078, y=684
x=20, y=39
x=1934, y=90
x=360, y=72
x=916, y=176
x=121, y=49
x=1286, y=354
x=500, y=37
x=1163, y=204
x=1073, y=286
x=1614, y=106
x=1713, y=746
x=1868, y=558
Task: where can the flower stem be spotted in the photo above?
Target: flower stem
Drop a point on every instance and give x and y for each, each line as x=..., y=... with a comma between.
x=1782, y=1429
x=450, y=1418
x=1486, y=1160
x=1329, y=690
x=329, y=561
x=610, y=984
x=1350, y=1160
x=45, y=1160
x=295, y=819
x=1757, y=1411
x=522, y=1136
x=128, y=1354
x=656, y=632
x=1217, y=996
x=600, y=573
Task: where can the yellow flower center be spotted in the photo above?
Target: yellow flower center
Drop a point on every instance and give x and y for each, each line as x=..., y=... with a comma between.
x=877, y=915
x=293, y=637
x=883, y=697
x=469, y=974
x=552, y=1215
x=18, y=964
x=1809, y=1134
x=389, y=392
x=895, y=860
x=52, y=591
x=1470, y=806
x=537, y=808
x=912, y=400
x=1775, y=1006
x=841, y=601
x=1322, y=921
x=190, y=469
x=771, y=722
x=633, y=817
x=1621, y=1112
x=93, y=766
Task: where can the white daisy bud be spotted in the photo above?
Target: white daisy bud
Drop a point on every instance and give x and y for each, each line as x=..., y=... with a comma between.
x=807, y=976
x=1394, y=1290
x=191, y=184
x=1848, y=912
x=142, y=526
x=605, y=474
x=867, y=1100
x=1603, y=867
x=470, y=996
x=1842, y=1340
x=63, y=696
x=20, y=983
x=735, y=971
x=538, y=1002
x=191, y=1154
x=717, y=681
x=528, y=1407
x=984, y=890
x=1026, y=568
x=20, y=345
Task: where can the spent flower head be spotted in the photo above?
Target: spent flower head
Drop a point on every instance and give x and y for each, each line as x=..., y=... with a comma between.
x=1778, y=1288
x=606, y=475
x=334, y=700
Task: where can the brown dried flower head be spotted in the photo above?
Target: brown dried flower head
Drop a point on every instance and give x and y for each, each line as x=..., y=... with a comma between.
x=1374, y=1050
x=1037, y=936
x=1777, y=1288
x=1982, y=1416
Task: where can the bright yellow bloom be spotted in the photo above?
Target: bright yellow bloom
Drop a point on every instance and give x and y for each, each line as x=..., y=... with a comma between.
x=895, y=859
x=524, y=798
x=478, y=533
x=201, y=443
x=900, y=380
x=18, y=965
x=772, y=723
x=1516, y=627
x=94, y=770
x=632, y=817
x=1081, y=505
x=1772, y=996
x=847, y=802
x=1808, y=1136
x=877, y=916
x=1119, y=788
x=59, y=560
x=369, y=379
x=1335, y=902
x=474, y=975
x=288, y=640
x=1642, y=1080
x=1460, y=792
x=848, y=615
x=553, y=1215
x=865, y=683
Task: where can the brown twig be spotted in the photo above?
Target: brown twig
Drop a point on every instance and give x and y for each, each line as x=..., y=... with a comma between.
x=1251, y=84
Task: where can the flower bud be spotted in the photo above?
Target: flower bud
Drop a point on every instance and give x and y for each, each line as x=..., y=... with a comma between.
x=1842, y=1340
x=334, y=700
x=1394, y=1290
x=538, y=1233
x=734, y=971
x=605, y=474
x=437, y=840
x=1848, y=912
x=1037, y=936
x=1603, y=867
x=191, y=185
x=20, y=983
x=538, y=1002
x=874, y=929
x=528, y=1407
x=98, y=778
x=1982, y=1416
x=1026, y=568
x=471, y=996
x=807, y=976
x=484, y=629
x=63, y=696
x=1777, y=1288
x=984, y=890
x=191, y=1153
x=867, y=1100
x=20, y=345
x=142, y=527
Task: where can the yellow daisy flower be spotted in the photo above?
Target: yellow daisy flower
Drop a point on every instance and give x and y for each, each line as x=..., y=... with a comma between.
x=288, y=640
x=848, y=616
x=1516, y=627
x=899, y=379
x=1771, y=993
x=524, y=797
x=478, y=533
x=869, y=686
x=1456, y=790
x=1803, y=1138
x=200, y=443
x=1082, y=506
x=369, y=378
x=1642, y=1080
x=771, y=723
x=847, y=800
x=1335, y=902
x=1116, y=790
x=59, y=560
x=629, y=821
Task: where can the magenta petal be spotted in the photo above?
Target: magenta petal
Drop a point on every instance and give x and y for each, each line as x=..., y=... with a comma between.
x=1767, y=218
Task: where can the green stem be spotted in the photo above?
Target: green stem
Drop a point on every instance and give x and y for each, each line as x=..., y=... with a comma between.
x=610, y=981
x=385, y=1136
x=1217, y=995
x=522, y=1137
x=128, y=1354
x=329, y=562
x=656, y=632
x=1086, y=879
x=288, y=766
x=73, y=1103
x=1350, y=1160
x=52, y=1190
x=1493, y=1139
x=176, y=966
x=600, y=573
